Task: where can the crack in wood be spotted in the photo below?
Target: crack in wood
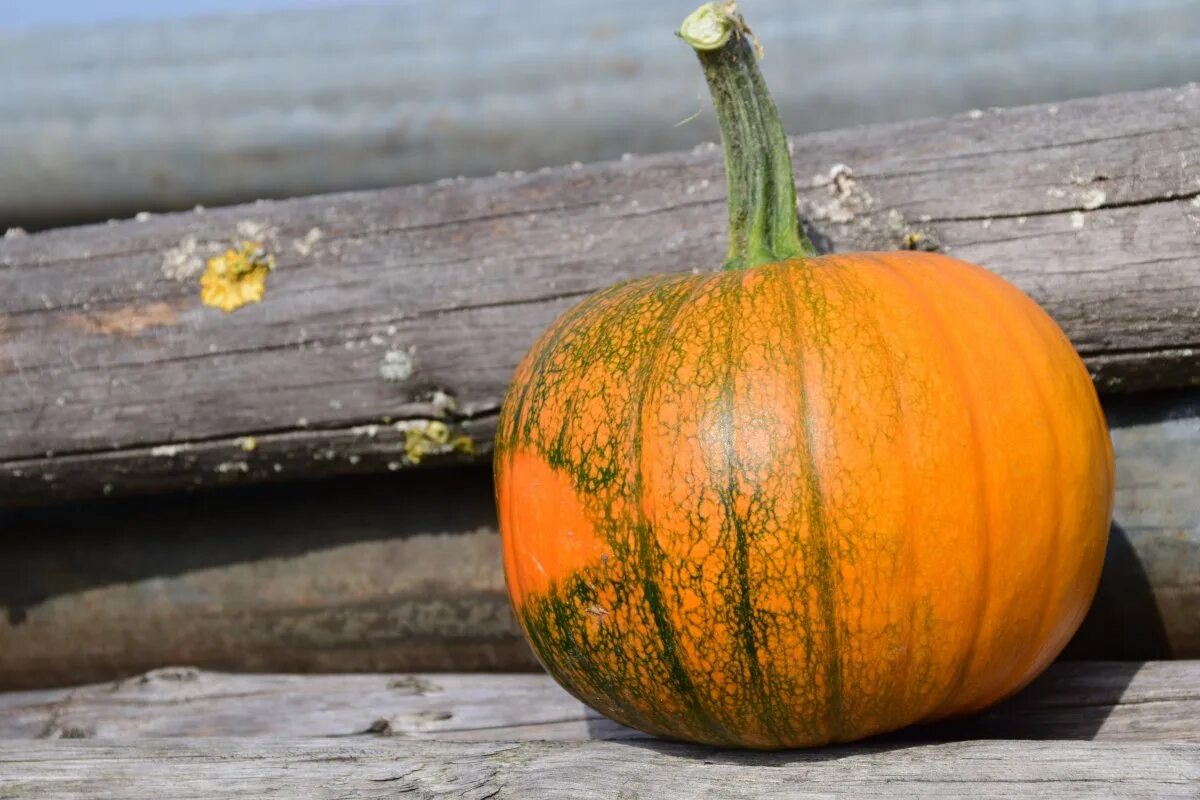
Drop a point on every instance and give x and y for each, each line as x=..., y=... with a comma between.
x=265, y=437
x=1082, y=209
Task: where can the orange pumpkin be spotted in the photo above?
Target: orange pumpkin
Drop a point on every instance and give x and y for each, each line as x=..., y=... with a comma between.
x=805, y=499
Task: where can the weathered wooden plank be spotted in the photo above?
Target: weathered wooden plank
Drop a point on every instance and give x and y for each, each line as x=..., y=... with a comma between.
x=205, y=768
x=414, y=304
x=1111, y=701
x=379, y=574
x=116, y=119
x=402, y=572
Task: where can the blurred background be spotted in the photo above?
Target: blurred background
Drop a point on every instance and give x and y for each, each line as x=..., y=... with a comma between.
x=110, y=107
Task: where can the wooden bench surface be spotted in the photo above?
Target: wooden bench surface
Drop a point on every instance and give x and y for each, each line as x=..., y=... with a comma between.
x=1087, y=729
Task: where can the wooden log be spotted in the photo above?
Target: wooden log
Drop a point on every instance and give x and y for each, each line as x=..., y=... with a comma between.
x=1108, y=701
x=354, y=770
x=391, y=310
x=402, y=572
x=371, y=575
x=119, y=118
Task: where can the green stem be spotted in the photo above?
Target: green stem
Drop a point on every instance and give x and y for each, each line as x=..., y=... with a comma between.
x=764, y=226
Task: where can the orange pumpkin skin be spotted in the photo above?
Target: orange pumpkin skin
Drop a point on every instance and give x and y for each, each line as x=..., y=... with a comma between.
x=806, y=502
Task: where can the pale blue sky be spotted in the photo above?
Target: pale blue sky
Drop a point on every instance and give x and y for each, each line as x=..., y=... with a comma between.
x=35, y=13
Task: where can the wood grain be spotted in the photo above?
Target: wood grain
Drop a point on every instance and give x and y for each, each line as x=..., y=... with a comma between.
x=1081, y=731
x=114, y=377
x=205, y=768
x=1110, y=701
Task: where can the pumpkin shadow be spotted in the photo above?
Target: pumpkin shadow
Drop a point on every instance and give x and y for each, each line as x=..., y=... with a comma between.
x=1124, y=622
x=1070, y=702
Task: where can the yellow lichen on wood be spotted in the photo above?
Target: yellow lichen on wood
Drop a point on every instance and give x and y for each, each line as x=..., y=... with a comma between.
x=425, y=438
x=236, y=277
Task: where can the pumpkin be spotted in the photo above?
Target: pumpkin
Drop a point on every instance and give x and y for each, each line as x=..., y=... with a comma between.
x=804, y=499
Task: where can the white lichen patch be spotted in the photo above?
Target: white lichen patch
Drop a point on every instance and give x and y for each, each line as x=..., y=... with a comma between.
x=184, y=260
x=305, y=245
x=167, y=450
x=1077, y=219
x=1093, y=198
x=841, y=178
x=369, y=431
x=1081, y=176
x=846, y=198
x=255, y=229
x=227, y=467
x=443, y=402
x=397, y=365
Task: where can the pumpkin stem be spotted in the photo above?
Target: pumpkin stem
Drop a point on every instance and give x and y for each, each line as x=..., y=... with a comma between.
x=764, y=226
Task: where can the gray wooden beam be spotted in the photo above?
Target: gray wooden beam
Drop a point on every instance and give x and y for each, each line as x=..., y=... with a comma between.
x=357, y=770
x=390, y=310
x=1108, y=701
x=402, y=572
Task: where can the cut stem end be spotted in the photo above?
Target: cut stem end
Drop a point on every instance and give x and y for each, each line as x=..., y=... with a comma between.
x=709, y=26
